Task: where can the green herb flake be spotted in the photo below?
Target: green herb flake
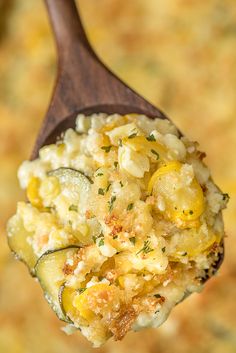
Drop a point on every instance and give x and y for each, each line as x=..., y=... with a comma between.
x=191, y=212
x=48, y=209
x=120, y=143
x=130, y=206
x=115, y=164
x=94, y=239
x=133, y=240
x=101, y=242
x=163, y=249
x=225, y=197
x=185, y=253
x=111, y=203
x=158, y=296
x=146, y=248
x=101, y=191
x=106, y=148
x=121, y=184
x=155, y=153
x=99, y=174
x=81, y=290
x=108, y=187
x=151, y=137
x=132, y=135
x=115, y=237
x=73, y=208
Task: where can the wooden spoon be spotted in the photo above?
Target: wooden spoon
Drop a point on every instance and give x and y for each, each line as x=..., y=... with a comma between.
x=84, y=84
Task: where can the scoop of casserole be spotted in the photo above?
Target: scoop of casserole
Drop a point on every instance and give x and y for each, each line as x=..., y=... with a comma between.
x=123, y=221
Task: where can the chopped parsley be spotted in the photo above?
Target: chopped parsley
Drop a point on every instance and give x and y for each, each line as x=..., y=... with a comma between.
x=133, y=240
x=49, y=209
x=108, y=187
x=157, y=295
x=115, y=164
x=155, y=153
x=106, y=148
x=185, y=253
x=73, y=208
x=115, y=237
x=101, y=242
x=111, y=203
x=225, y=197
x=121, y=184
x=101, y=191
x=101, y=239
x=146, y=248
x=120, y=142
x=81, y=290
x=130, y=206
x=163, y=249
x=191, y=212
x=151, y=137
x=99, y=174
x=132, y=135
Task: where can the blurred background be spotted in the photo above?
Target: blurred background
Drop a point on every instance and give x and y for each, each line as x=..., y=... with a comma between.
x=180, y=55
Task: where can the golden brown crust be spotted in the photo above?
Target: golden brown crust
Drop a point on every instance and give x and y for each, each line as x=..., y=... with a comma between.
x=123, y=322
x=69, y=269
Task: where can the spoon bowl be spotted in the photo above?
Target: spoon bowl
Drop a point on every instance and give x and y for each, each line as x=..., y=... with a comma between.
x=84, y=84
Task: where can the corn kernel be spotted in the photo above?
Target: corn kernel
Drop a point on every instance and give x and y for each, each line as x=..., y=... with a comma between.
x=153, y=149
x=122, y=131
x=49, y=188
x=101, y=178
x=83, y=234
x=81, y=301
x=60, y=149
x=134, y=163
x=121, y=281
x=33, y=192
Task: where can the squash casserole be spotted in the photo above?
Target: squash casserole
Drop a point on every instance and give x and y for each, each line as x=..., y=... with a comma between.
x=123, y=221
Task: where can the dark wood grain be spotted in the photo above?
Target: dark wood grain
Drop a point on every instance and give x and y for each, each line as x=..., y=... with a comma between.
x=84, y=83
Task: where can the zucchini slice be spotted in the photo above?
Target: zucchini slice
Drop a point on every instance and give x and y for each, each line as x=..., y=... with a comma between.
x=18, y=242
x=66, y=299
x=66, y=296
x=49, y=270
x=75, y=183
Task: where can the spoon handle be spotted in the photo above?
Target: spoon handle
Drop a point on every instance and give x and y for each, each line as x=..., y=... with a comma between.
x=82, y=79
x=67, y=27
